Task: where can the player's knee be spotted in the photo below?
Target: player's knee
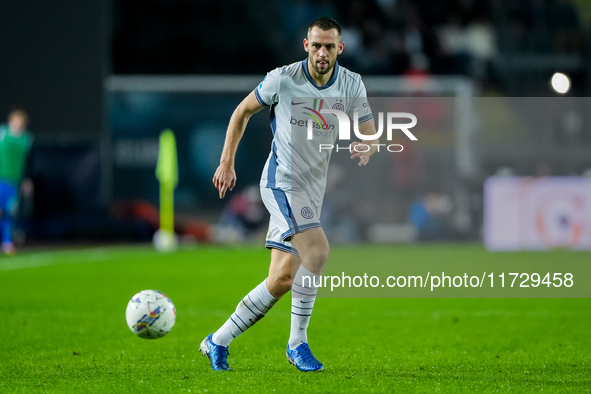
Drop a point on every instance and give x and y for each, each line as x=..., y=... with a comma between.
x=320, y=254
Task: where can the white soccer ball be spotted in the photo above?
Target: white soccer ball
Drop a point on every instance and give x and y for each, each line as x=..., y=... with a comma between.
x=150, y=314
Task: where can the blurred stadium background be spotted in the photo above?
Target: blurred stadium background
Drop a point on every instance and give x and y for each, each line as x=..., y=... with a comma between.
x=100, y=80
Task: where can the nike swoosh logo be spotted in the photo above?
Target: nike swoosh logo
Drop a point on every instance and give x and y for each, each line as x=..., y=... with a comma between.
x=306, y=302
x=292, y=103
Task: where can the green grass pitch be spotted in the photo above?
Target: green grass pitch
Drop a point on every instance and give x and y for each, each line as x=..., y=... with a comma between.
x=63, y=329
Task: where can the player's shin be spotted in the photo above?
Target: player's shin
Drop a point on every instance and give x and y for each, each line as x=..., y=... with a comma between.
x=251, y=309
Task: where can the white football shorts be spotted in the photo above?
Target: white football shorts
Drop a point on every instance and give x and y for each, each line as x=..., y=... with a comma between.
x=291, y=213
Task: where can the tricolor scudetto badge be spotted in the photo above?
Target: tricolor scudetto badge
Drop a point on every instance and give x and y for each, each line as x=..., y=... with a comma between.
x=316, y=114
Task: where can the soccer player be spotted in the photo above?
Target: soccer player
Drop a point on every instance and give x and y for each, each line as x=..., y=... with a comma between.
x=292, y=184
x=15, y=144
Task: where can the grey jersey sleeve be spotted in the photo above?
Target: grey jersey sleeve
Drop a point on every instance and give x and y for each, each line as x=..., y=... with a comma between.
x=359, y=103
x=267, y=92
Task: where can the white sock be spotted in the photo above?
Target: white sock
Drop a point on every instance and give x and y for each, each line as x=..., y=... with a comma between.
x=303, y=295
x=251, y=309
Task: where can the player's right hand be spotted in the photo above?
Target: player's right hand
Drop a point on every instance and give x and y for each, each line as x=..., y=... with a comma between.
x=224, y=179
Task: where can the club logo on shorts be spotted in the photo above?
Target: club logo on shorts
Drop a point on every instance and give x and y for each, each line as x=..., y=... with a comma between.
x=339, y=107
x=307, y=213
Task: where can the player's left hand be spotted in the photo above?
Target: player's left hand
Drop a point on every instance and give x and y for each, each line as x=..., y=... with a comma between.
x=363, y=154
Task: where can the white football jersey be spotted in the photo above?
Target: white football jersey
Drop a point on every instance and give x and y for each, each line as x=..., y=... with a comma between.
x=296, y=164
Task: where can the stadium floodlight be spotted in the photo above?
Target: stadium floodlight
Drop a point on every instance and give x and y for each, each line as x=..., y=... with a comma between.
x=560, y=83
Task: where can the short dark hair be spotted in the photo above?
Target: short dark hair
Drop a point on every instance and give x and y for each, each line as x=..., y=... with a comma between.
x=325, y=23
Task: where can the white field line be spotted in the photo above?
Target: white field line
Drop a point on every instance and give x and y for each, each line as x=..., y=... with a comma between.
x=43, y=259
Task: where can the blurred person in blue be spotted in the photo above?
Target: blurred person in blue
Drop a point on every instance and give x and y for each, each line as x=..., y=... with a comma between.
x=15, y=145
x=431, y=216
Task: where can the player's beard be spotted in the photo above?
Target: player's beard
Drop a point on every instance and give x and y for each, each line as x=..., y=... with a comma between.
x=325, y=70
